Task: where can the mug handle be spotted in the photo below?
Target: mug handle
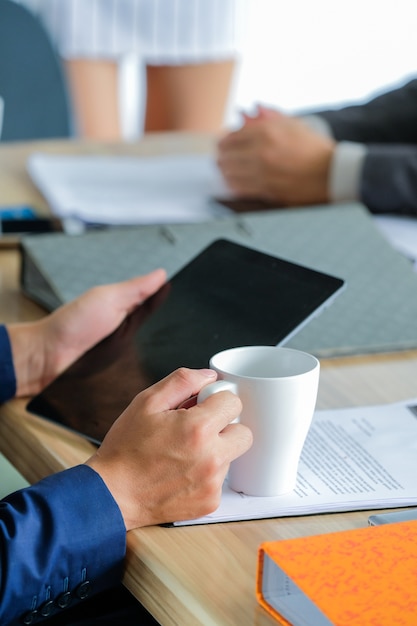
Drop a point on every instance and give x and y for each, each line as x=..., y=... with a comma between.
x=208, y=390
x=212, y=388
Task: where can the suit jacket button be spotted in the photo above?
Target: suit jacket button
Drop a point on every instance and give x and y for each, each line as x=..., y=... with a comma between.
x=29, y=617
x=83, y=590
x=47, y=608
x=64, y=600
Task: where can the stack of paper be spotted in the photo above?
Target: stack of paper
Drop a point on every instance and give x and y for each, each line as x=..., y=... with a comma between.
x=129, y=190
x=354, y=458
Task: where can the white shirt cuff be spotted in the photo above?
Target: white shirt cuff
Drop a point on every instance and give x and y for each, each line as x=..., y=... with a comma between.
x=346, y=171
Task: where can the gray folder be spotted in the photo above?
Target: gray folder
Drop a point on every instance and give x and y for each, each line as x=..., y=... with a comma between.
x=377, y=311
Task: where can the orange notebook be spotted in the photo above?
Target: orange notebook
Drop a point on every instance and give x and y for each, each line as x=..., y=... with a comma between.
x=361, y=577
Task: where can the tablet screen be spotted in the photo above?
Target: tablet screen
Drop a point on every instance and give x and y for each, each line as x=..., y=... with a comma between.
x=229, y=295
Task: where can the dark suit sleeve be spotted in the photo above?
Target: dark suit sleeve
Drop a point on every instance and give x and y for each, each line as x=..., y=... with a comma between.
x=388, y=118
x=61, y=540
x=387, y=125
x=389, y=179
x=7, y=373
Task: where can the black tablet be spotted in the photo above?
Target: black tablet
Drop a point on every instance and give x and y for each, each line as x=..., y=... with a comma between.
x=228, y=295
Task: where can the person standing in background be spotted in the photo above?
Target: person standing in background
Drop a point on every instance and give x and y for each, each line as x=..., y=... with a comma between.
x=190, y=49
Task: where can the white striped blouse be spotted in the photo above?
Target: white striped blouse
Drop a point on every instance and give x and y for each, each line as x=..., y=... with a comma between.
x=160, y=31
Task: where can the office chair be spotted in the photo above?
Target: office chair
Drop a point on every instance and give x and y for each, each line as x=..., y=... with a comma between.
x=32, y=82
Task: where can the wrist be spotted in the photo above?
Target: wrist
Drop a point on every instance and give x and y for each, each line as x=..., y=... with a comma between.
x=321, y=171
x=28, y=357
x=115, y=485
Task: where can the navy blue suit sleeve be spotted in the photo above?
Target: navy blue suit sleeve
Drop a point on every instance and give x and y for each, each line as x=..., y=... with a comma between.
x=7, y=373
x=61, y=540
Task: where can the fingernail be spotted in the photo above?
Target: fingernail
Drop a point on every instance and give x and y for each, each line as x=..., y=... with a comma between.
x=208, y=373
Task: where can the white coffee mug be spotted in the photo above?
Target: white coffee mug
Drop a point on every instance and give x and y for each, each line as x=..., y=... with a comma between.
x=278, y=389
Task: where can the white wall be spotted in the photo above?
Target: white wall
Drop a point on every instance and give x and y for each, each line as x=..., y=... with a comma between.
x=303, y=53
x=306, y=53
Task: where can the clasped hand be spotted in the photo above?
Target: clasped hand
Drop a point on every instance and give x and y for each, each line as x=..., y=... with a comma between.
x=277, y=158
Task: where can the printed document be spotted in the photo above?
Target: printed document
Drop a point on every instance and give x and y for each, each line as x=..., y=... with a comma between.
x=125, y=190
x=353, y=458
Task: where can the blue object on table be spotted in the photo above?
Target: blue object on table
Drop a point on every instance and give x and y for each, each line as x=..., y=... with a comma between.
x=17, y=213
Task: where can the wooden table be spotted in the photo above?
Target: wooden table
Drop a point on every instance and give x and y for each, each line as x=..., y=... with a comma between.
x=189, y=576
